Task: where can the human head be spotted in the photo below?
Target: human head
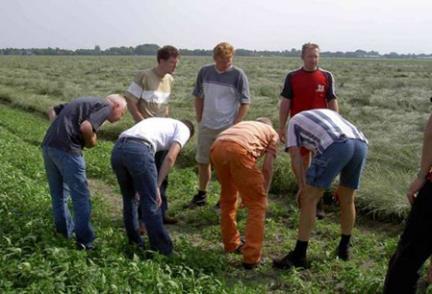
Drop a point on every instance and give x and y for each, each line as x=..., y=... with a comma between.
x=310, y=56
x=167, y=58
x=118, y=103
x=190, y=126
x=223, y=55
x=265, y=120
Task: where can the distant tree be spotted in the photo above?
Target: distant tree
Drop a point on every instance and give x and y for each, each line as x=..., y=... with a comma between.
x=146, y=49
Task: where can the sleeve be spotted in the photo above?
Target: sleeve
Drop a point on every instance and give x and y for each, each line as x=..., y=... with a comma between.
x=58, y=108
x=243, y=89
x=181, y=135
x=287, y=88
x=135, y=89
x=199, y=89
x=330, y=95
x=99, y=115
x=274, y=138
x=291, y=135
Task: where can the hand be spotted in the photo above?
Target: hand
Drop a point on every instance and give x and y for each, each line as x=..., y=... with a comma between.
x=281, y=133
x=158, y=197
x=415, y=186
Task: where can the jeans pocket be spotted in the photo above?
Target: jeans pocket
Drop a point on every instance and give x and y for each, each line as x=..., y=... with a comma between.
x=316, y=169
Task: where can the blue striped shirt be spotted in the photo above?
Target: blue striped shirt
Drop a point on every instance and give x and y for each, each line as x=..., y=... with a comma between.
x=317, y=129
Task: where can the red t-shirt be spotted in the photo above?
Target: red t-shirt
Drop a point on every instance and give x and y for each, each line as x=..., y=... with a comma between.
x=308, y=89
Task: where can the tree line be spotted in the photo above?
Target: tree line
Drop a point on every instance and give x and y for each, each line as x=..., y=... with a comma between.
x=151, y=49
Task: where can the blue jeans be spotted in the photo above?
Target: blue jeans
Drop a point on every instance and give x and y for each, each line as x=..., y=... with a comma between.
x=347, y=158
x=67, y=176
x=134, y=165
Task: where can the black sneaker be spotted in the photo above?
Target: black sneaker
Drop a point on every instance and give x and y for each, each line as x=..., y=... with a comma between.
x=88, y=247
x=196, y=201
x=250, y=266
x=289, y=261
x=344, y=253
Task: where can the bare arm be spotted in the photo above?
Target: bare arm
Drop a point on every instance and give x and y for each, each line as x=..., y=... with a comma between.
x=199, y=106
x=51, y=114
x=243, y=110
x=298, y=167
x=284, y=108
x=267, y=170
x=132, y=105
x=333, y=105
x=425, y=163
x=87, y=132
x=168, y=162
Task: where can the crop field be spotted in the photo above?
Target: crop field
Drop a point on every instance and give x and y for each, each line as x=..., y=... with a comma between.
x=387, y=99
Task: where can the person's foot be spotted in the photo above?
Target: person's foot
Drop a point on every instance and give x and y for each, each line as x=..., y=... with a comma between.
x=88, y=247
x=142, y=229
x=344, y=253
x=250, y=266
x=289, y=261
x=320, y=214
x=197, y=200
x=169, y=220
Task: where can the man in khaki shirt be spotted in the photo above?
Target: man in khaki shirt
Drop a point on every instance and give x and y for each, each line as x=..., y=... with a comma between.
x=148, y=96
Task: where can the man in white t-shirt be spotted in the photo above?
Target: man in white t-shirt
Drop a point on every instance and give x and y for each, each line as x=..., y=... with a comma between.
x=134, y=165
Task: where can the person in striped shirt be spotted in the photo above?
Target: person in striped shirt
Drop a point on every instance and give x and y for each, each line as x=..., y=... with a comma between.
x=338, y=148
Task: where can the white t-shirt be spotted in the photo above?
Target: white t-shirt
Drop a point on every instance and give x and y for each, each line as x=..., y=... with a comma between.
x=160, y=132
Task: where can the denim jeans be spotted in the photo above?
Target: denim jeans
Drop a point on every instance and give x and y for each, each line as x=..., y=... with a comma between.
x=66, y=176
x=134, y=165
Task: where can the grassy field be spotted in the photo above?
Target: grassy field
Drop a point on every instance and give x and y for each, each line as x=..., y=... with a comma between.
x=388, y=100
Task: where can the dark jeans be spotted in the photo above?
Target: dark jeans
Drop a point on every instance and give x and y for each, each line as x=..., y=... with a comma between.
x=415, y=246
x=134, y=165
x=67, y=175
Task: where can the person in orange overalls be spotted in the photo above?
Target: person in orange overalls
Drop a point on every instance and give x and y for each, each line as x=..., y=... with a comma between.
x=233, y=155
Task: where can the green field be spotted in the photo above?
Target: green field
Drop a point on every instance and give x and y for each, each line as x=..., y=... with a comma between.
x=387, y=99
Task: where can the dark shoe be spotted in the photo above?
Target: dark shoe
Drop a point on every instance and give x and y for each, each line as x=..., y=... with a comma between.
x=289, y=261
x=320, y=214
x=250, y=266
x=196, y=201
x=344, y=253
x=81, y=246
x=169, y=220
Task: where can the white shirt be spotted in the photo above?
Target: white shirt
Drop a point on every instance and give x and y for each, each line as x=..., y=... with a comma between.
x=160, y=132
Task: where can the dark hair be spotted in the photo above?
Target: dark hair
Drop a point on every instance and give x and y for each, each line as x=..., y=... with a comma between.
x=166, y=52
x=190, y=126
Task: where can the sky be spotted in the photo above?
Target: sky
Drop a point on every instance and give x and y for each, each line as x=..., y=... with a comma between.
x=336, y=25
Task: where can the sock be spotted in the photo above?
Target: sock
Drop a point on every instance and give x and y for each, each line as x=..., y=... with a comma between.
x=344, y=241
x=300, y=248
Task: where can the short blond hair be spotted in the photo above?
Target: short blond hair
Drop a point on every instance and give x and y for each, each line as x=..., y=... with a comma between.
x=117, y=99
x=224, y=50
x=309, y=46
x=265, y=120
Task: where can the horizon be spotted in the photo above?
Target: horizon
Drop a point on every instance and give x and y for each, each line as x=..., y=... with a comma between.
x=276, y=25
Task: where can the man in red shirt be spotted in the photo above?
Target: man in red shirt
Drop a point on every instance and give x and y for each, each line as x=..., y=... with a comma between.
x=306, y=88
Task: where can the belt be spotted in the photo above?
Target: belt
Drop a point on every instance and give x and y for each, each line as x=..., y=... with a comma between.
x=136, y=140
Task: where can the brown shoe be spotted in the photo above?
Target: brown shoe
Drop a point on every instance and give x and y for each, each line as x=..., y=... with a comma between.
x=169, y=220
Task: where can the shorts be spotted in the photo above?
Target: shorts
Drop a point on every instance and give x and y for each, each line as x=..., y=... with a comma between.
x=346, y=158
x=205, y=139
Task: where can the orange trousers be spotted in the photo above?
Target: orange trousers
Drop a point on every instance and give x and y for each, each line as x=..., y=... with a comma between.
x=236, y=172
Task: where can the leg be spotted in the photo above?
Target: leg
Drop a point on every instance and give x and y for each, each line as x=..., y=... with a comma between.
x=59, y=192
x=250, y=182
x=309, y=200
x=128, y=194
x=348, y=211
x=415, y=246
x=228, y=219
x=75, y=177
x=204, y=171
